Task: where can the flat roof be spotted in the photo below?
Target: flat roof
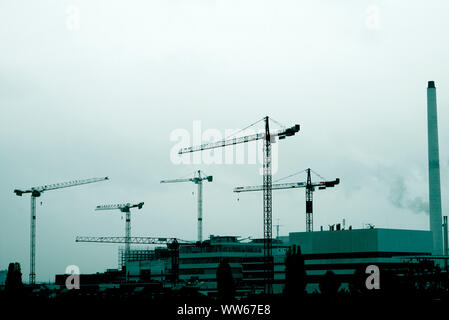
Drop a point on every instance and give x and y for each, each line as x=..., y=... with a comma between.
x=363, y=240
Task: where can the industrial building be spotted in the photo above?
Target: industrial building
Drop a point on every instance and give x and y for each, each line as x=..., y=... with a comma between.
x=198, y=264
x=147, y=264
x=341, y=251
x=345, y=251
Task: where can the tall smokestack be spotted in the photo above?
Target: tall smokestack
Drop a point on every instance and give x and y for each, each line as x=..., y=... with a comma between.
x=434, y=170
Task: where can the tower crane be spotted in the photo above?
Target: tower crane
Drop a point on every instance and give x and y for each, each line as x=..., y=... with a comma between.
x=198, y=180
x=277, y=228
x=172, y=245
x=35, y=193
x=268, y=138
x=126, y=209
x=308, y=185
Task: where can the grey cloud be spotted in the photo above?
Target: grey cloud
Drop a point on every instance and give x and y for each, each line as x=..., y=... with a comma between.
x=103, y=100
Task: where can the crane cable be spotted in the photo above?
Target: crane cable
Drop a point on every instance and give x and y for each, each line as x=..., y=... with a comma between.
x=278, y=123
x=297, y=173
x=317, y=174
x=246, y=128
x=291, y=175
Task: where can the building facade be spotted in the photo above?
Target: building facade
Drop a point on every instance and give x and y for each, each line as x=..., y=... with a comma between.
x=341, y=251
x=345, y=251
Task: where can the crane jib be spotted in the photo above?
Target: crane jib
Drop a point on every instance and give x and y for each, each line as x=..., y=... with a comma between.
x=258, y=136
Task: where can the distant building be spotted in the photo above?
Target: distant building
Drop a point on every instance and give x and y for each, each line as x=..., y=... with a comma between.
x=344, y=251
x=157, y=268
x=3, y=275
x=95, y=279
x=198, y=264
x=341, y=251
x=135, y=255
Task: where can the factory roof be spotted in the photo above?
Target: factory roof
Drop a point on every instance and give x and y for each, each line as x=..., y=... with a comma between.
x=418, y=242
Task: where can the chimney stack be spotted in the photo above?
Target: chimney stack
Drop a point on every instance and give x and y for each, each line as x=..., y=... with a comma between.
x=435, y=215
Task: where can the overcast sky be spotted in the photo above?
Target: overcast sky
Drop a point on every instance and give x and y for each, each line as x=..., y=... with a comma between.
x=93, y=88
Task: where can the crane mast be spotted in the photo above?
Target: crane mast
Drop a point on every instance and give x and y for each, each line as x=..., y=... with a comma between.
x=267, y=211
x=32, y=276
x=309, y=205
x=277, y=228
x=268, y=137
x=200, y=208
x=35, y=193
x=198, y=180
x=126, y=209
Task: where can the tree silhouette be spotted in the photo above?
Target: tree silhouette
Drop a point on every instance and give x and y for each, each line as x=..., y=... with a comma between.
x=295, y=273
x=329, y=284
x=13, y=281
x=225, y=282
x=357, y=284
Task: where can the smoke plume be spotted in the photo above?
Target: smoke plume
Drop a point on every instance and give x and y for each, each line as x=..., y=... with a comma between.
x=400, y=197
